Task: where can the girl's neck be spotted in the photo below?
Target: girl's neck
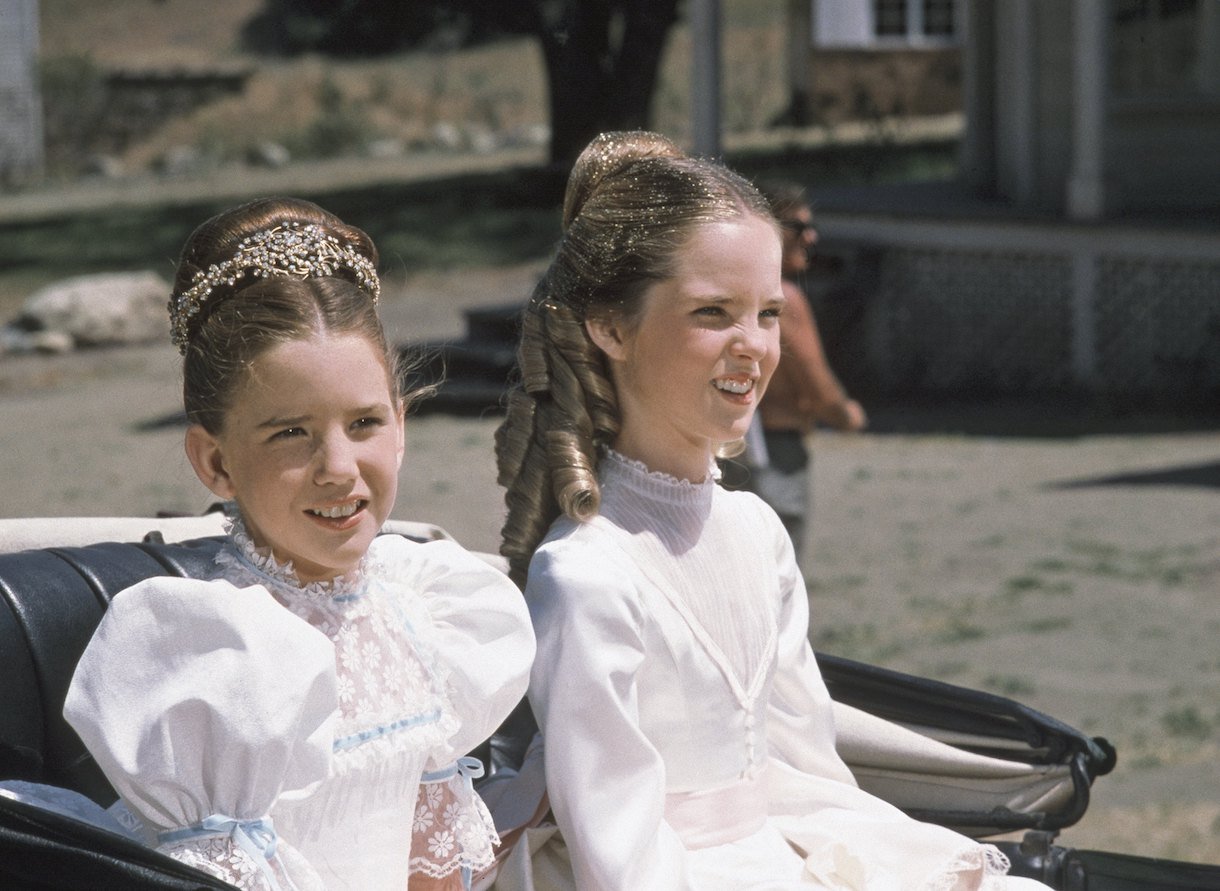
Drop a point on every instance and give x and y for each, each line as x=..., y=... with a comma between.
x=692, y=464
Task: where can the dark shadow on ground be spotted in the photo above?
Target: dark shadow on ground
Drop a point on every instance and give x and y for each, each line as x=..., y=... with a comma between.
x=1039, y=418
x=1206, y=475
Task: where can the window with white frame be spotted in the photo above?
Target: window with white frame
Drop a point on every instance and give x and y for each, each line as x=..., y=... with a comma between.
x=916, y=21
x=887, y=23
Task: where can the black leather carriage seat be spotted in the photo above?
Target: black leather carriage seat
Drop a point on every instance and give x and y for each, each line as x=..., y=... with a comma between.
x=51, y=600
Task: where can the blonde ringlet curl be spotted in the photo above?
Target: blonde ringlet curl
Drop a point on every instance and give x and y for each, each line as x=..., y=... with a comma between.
x=632, y=202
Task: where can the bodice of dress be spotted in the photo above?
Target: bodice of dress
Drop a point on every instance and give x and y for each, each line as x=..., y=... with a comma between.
x=689, y=737
x=713, y=602
x=394, y=719
x=326, y=705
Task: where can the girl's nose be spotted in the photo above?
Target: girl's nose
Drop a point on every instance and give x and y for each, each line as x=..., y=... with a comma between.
x=336, y=460
x=751, y=340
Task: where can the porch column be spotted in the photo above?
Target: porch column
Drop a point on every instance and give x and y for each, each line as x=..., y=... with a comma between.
x=21, y=132
x=705, y=89
x=1086, y=182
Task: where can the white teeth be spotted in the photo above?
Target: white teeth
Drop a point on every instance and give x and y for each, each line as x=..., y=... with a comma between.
x=334, y=513
x=738, y=387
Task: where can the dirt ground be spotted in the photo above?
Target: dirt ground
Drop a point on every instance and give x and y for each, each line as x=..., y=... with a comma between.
x=1071, y=565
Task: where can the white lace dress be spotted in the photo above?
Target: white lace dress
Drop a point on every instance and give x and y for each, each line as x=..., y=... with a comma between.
x=286, y=736
x=689, y=743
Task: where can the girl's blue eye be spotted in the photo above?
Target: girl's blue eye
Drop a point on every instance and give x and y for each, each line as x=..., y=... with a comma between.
x=288, y=433
x=366, y=423
x=770, y=313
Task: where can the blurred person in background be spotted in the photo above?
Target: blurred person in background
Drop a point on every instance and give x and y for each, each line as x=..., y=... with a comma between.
x=777, y=462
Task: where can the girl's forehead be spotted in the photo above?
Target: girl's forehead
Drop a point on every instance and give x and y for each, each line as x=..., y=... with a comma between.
x=321, y=368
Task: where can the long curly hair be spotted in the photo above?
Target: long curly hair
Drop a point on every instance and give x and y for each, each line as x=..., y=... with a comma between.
x=632, y=202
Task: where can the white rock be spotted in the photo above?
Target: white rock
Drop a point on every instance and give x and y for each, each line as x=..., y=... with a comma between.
x=270, y=154
x=54, y=342
x=106, y=308
x=481, y=139
x=387, y=147
x=445, y=135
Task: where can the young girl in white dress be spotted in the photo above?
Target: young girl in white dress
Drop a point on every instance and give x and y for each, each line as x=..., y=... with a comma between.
x=688, y=739
x=300, y=719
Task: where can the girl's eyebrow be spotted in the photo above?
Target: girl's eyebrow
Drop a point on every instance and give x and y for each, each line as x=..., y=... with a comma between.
x=283, y=422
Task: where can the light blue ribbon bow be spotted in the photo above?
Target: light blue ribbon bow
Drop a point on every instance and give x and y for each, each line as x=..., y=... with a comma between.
x=256, y=837
x=469, y=769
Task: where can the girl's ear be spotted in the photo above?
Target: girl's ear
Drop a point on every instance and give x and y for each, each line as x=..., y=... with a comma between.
x=203, y=451
x=608, y=333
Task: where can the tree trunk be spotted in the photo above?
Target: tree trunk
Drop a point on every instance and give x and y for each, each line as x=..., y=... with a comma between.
x=602, y=58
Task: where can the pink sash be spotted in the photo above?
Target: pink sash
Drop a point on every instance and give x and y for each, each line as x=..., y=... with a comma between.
x=717, y=816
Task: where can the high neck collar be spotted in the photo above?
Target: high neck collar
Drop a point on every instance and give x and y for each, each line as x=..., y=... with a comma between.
x=283, y=576
x=618, y=468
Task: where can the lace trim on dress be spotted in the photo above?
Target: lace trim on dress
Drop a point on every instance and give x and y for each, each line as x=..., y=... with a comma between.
x=263, y=563
x=395, y=704
x=222, y=858
x=984, y=863
x=452, y=828
x=635, y=471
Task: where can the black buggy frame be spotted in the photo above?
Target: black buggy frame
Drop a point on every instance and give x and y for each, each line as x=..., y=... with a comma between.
x=51, y=599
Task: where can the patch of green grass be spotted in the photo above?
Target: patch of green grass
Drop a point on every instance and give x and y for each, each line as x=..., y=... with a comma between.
x=1186, y=722
x=998, y=540
x=1165, y=566
x=956, y=629
x=1047, y=625
x=946, y=670
x=836, y=583
x=1146, y=761
x=1008, y=685
x=861, y=641
x=1020, y=585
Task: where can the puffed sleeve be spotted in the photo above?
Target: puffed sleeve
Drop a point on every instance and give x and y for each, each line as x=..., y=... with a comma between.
x=481, y=644
x=606, y=781
x=800, y=720
x=482, y=639
x=203, y=704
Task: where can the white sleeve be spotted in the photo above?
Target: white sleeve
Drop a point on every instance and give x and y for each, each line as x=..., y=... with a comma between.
x=800, y=718
x=605, y=780
x=202, y=703
x=482, y=640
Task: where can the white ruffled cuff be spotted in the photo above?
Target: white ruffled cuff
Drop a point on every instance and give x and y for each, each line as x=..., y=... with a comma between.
x=246, y=854
x=452, y=829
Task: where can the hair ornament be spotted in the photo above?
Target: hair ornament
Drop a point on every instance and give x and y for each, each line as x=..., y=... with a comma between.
x=290, y=249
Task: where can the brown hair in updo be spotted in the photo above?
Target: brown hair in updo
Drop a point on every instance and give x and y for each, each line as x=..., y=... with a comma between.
x=632, y=202
x=238, y=322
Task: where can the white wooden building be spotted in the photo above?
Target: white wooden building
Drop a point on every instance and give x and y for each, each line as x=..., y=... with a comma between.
x=1080, y=249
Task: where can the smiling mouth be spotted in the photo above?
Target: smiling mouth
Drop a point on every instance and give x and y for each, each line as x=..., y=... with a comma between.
x=736, y=387
x=340, y=511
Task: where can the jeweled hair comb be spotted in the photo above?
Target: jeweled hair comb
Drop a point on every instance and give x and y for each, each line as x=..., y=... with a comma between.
x=298, y=250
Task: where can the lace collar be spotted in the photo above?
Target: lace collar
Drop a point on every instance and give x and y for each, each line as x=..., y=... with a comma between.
x=244, y=553
x=618, y=468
